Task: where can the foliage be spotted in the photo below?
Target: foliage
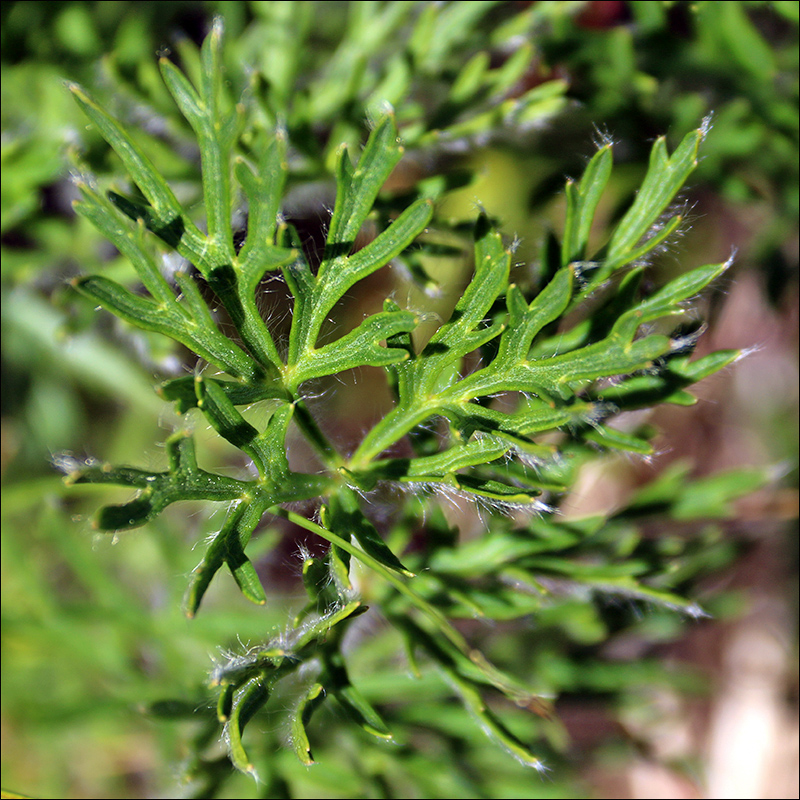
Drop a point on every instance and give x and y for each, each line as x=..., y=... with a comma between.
x=501, y=405
x=486, y=453
x=643, y=77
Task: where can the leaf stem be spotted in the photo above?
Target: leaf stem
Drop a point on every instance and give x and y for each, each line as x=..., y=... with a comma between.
x=433, y=614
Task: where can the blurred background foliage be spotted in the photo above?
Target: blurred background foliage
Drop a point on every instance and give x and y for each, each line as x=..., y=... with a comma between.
x=498, y=103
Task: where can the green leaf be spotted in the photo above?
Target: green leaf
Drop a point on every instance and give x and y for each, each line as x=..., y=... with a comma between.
x=157, y=490
x=345, y=518
x=618, y=440
x=360, y=347
x=491, y=725
x=712, y=496
x=360, y=710
x=273, y=661
x=308, y=704
x=264, y=189
x=472, y=667
x=491, y=552
x=228, y=547
x=339, y=271
x=250, y=700
x=666, y=300
x=439, y=30
x=419, y=379
x=507, y=399
x=215, y=403
x=181, y=391
x=508, y=73
x=213, y=255
x=665, y=176
x=470, y=79
x=213, y=129
x=507, y=370
x=463, y=332
x=478, y=450
x=643, y=391
x=129, y=240
x=165, y=206
x=502, y=492
x=357, y=188
x=582, y=200
x=225, y=702
x=611, y=579
x=197, y=333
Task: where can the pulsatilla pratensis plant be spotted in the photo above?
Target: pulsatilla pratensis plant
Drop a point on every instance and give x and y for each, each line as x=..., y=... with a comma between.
x=563, y=377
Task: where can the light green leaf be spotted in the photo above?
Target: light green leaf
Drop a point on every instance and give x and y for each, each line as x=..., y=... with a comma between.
x=213, y=130
x=165, y=206
x=357, y=188
x=665, y=176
